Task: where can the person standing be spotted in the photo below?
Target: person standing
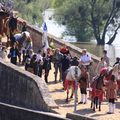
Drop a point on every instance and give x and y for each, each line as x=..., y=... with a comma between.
x=64, y=50
x=101, y=65
x=106, y=58
x=117, y=61
x=40, y=63
x=47, y=66
x=83, y=84
x=13, y=54
x=24, y=27
x=65, y=65
x=111, y=94
x=74, y=61
x=57, y=58
x=3, y=53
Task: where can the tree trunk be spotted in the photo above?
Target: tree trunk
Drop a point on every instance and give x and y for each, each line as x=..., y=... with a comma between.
x=100, y=42
x=112, y=39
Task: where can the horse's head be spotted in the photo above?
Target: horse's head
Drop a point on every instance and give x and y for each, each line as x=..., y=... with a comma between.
x=104, y=71
x=100, y=82
x=25, y=35
x=116, y=68
x=74, y=73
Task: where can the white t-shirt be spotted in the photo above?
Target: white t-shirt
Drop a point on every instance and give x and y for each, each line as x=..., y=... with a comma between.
x=18, y=37
x=39, y=57
x=85, y=59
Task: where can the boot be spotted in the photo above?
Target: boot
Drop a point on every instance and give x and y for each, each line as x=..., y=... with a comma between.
x=110, y=108
x=46, y=79
x=81, y=101
x=113, y=108
x=55, y=77
x=85, y=99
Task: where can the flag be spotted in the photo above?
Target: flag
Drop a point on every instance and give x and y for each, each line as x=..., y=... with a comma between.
x=45, y=39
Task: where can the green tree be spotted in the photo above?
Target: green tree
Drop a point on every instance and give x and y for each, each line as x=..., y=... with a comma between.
x=30, y=9
x=57, y=3
x=84, y=17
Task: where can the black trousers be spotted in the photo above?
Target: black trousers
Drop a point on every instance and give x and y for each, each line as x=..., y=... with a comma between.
x=112, y=101
x=83, y=90
x=14, y=60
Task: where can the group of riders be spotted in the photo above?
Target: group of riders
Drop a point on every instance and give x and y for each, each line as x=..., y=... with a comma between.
x=102, y=81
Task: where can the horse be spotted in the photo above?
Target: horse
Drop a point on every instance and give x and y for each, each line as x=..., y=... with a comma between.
x=3, y=17
x=97, y=92
x=24, y=43
x=73, y=74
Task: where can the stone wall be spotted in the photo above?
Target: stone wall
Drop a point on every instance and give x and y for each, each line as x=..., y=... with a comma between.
x=74, y=116
x=21, y=88
x=9, y=112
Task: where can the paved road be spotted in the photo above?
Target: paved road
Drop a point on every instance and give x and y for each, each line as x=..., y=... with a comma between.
x=59, y=95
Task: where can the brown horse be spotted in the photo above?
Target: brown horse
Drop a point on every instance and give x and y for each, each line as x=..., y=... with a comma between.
x=3, y=17
x=97, y=92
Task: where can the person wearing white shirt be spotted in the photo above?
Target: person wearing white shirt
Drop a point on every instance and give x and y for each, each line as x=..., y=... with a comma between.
x=85, y=58
x=40, y=63
x=101, y=65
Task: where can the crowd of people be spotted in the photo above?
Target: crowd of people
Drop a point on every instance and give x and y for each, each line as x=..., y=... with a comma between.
x=101, y=80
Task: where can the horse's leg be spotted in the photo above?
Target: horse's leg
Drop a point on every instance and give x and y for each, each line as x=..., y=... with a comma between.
x=71, y=95
x=96, y=102
x=23, y=56
x=72, y=92
x=67, y=95
x=99, y=106
x=91, y=103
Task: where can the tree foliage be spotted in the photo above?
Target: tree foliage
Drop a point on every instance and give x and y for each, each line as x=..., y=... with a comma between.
x=86, y=17
x=32, y=9
x=57, y=3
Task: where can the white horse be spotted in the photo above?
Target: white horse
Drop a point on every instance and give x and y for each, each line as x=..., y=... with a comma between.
x=72, y=76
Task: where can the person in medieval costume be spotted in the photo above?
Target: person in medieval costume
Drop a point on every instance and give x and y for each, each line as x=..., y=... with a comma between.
x=83, y=84
x=111, y=94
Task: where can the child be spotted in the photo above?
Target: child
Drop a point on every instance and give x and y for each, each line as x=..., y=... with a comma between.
x=111, y=94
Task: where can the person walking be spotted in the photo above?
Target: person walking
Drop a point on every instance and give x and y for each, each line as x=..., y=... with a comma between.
x=40, y=63
x=13, y=54
x=106, y=58
x=111, y=94
x=83, y=84
x=47, y=66
x=101, y=65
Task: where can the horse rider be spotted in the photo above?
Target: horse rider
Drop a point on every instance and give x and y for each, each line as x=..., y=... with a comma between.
x=85, y=58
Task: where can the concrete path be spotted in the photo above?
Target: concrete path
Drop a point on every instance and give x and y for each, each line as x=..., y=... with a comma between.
x=59, y=95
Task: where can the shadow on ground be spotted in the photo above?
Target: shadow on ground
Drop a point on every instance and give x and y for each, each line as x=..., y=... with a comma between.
x=85, y=111
x=118, y=105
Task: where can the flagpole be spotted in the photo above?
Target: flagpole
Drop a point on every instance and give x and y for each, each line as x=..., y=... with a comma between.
x=45, y=39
